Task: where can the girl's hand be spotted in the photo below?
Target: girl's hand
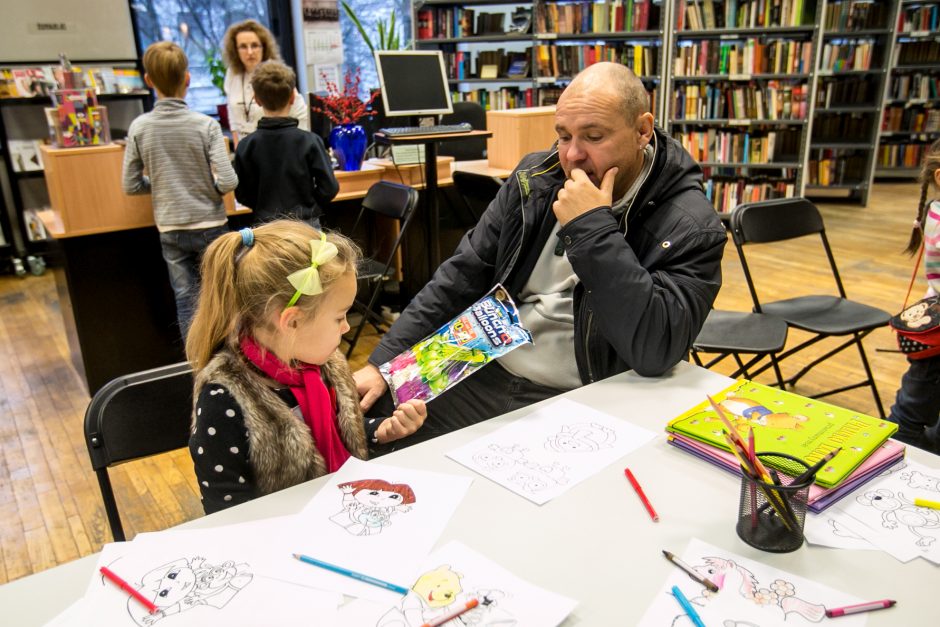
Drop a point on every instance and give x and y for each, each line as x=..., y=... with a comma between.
x=404, y=421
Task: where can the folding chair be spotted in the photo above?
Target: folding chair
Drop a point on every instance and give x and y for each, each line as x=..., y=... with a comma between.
x=823, y=316
x=735, y=333
x=134, y=416
x=476, y=191
x=394, y=201
x=467, y=149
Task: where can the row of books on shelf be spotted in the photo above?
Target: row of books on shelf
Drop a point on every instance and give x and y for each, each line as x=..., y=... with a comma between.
x=553, y=60
x=789, y=423
x=509, y=97
x=835, y=127
x=704, y=14
x=916, y=86
x=725, y=195
x=919, y=18
x=711, y=56
x=908, y=155
x=449, y=22
x=848, y=55
x=848, y=91
x=29, y=82
x=597, y=17
x=917, y=53
x=913, y=120
x=776, y=100
x=489, y=64
x=713, y=145
x=836, y=167
x=855, y=15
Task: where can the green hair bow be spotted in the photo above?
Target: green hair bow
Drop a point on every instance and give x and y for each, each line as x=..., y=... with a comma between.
x=307, y=281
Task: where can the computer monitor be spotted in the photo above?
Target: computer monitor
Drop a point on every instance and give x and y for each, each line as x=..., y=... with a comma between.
x=414, y=82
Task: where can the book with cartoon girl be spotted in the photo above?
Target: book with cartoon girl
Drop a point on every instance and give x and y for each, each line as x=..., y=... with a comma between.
x=785, y=422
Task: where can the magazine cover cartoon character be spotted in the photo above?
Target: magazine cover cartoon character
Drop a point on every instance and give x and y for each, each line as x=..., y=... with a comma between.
x=369, y=504
x=183, y=584
x=745, y=412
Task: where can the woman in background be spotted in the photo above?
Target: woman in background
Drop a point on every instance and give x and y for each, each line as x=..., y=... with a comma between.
x=245, y=46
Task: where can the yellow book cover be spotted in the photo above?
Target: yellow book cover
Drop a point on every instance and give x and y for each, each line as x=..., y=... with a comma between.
x=785, y=422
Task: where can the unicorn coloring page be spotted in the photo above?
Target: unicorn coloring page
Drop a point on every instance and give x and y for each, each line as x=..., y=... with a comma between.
x=543, y=454
x=750, y=594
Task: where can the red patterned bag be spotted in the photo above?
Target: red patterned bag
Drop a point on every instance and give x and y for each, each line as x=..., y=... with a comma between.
x=918, y=326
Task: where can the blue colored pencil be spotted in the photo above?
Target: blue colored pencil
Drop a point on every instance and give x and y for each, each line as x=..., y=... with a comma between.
x=687, y=607
x=351, y=574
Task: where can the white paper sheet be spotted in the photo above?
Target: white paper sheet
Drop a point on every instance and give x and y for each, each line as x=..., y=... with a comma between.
x=376, y=520
x=551, y=450
x=834, y=529
x=883, y=511
x=197, y=580
x=750, y=593
x=448, y=579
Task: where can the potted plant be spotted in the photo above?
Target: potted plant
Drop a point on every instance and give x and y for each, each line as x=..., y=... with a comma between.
x=345, y=109
x=388, y=38
x=217, y=75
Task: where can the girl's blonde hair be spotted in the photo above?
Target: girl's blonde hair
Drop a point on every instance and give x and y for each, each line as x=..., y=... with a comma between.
x=243, y=284
x=928, y=172
x=230, y=45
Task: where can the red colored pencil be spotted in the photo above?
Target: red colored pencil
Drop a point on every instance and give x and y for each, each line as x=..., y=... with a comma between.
x=639, y=491
x=128, y=588
x=440, y=620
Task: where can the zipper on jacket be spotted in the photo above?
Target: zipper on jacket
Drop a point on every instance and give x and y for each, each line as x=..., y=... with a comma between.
x=587, y=350
x=515, y=255
x=626, y=211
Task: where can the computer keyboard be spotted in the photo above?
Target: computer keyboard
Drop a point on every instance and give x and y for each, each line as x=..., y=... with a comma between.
x=440, y=129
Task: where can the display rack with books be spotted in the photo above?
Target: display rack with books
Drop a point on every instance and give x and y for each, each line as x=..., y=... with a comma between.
x=851, y=80
x=909, y=123
x=741, y=81
x=27, y=92
x=539, y=46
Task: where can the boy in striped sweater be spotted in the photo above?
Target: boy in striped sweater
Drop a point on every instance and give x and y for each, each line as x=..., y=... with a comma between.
x=188, y=171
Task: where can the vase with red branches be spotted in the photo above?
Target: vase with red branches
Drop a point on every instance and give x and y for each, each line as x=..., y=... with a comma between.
x=345, y=109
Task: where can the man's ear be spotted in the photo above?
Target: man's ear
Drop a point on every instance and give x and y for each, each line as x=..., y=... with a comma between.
x=644, y=128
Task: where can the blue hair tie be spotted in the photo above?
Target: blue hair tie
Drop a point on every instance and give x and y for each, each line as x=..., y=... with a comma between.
x=248, y=237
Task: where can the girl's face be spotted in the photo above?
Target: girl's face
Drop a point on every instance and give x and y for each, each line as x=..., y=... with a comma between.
x=378, y=498
x=315, y=339
x=250, y=50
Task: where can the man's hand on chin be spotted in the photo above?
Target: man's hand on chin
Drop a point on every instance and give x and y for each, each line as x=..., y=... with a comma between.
x=580, y=195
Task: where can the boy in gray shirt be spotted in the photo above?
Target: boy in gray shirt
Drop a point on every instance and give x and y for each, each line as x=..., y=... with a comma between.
x=188, y=171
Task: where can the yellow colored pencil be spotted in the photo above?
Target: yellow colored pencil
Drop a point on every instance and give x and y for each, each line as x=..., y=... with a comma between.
x=927, y=503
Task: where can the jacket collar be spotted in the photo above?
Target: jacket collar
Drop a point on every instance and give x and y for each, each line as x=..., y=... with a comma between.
x=276, y=122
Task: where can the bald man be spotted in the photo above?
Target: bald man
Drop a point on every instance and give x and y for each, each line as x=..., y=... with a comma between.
x=607, y=244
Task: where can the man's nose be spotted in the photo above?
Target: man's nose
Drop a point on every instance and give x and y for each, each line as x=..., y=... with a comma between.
x=575, y=152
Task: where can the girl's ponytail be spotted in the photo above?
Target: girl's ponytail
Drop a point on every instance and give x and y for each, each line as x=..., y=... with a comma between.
x=218, y=308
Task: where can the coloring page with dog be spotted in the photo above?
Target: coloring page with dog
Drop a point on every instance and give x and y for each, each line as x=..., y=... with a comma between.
x=547, y=452
x=884, y=513
x=785, y=422
x=374, y=519
x=749, y=594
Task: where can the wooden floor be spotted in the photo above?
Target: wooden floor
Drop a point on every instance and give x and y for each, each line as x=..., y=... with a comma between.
x=49, y=500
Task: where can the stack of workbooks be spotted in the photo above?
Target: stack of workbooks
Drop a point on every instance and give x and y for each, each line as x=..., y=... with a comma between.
x=805, y=428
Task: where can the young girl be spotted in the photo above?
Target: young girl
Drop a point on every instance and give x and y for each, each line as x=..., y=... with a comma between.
x=917, y=405
x=274, y=402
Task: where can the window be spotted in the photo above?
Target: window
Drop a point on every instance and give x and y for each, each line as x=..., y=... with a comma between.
x=356, y=53
x=197, y=26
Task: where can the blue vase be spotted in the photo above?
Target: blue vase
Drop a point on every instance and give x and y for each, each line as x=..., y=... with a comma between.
x=348, y=142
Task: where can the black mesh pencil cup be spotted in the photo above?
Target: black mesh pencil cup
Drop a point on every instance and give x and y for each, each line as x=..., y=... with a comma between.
x=771, y=514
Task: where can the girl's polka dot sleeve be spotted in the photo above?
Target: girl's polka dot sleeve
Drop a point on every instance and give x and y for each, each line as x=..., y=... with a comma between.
x=219, y=447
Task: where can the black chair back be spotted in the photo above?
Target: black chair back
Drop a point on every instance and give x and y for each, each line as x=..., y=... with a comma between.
x=136, y=416
x=476, y=190
x=467, y=149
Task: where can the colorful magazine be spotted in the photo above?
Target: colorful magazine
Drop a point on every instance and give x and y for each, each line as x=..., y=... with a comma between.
x=788, y=423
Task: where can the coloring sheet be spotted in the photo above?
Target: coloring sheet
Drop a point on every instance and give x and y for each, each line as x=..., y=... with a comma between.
x=376, y=520
x=834, y=529
x=750, y=594
x=883, y=512
x=447, y=580
x=195, y=582
x=542, y=455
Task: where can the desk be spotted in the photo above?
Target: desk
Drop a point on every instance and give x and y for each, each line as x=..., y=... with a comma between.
x=596, y=543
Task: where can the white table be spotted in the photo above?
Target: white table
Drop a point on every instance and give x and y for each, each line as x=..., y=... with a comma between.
x=595, y=543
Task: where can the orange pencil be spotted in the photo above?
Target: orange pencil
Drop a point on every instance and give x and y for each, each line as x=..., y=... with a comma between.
x=441, y=620
x=639, y=491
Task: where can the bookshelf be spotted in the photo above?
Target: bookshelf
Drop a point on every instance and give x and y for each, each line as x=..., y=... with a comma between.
x=911, y=119
x=23, y=128
x=852, y=69
x=530, y=68
x=741, y=83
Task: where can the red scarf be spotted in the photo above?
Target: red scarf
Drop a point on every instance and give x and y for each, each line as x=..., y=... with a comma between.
x=317, y=402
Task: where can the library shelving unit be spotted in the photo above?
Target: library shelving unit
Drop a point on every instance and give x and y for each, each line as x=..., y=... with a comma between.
x=911, y=120
x=852, y=67
x=502, y=70
x=741, y=85
x=23, y=127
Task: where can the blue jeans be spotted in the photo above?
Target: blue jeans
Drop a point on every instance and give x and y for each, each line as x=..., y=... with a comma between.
x=917, y=405
x=182, y=251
